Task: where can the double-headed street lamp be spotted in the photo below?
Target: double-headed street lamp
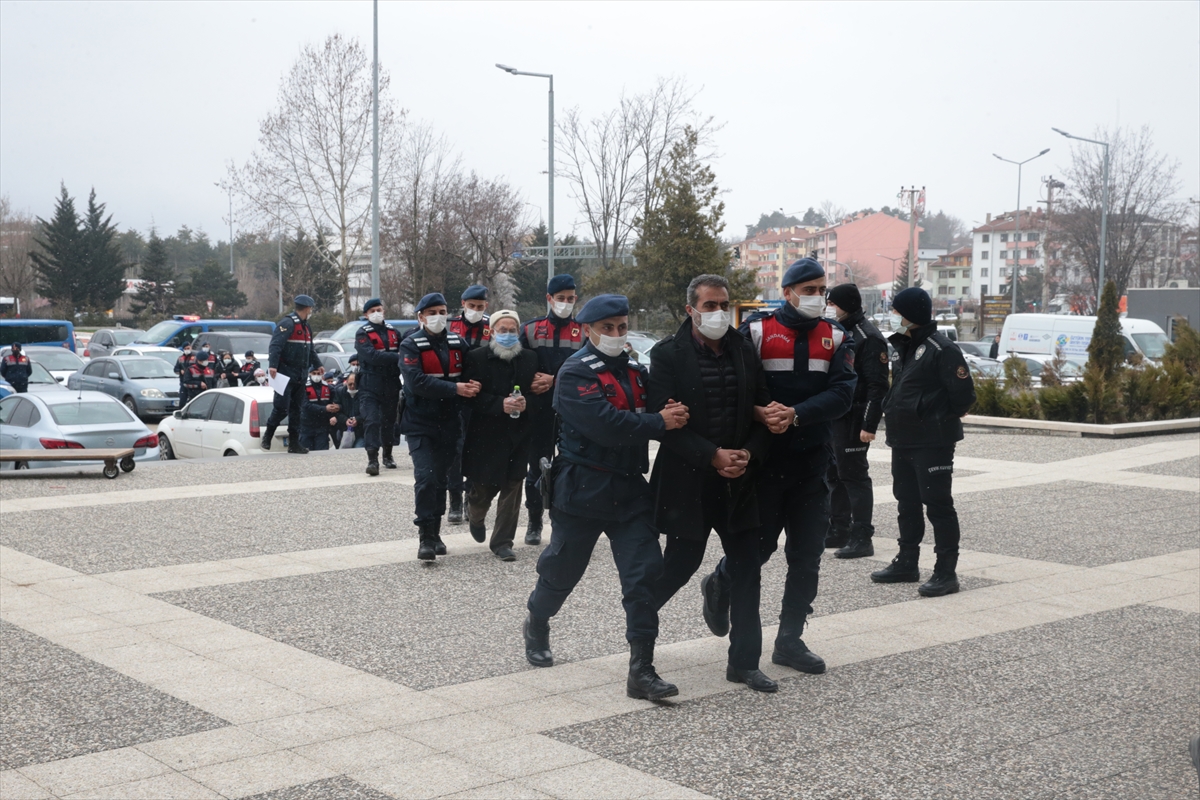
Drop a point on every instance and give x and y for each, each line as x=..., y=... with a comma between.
x=1103, y=208
x=550, y=141
x=1016, y=274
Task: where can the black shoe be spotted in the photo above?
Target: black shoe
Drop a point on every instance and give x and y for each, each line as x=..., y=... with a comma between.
x=425, y=548
x=643, y=682
x=504, y=553
x=533, y=531
x=372, y=466
x=298, y=449
x=388, y=461
x=716, y=604
x=857, y=548
x=753, y=678
x=903, y=569
x=268, y=435
x=837, y=537
x=455, y=517
x=795, y=654
x=439, y=546
x=478, y=532
x=537, y=641
x=942, y=583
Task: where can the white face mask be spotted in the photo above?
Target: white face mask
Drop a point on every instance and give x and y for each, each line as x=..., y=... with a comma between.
x=712, y=324
x=831, y=312
x=898, y=323
x=611, y=345
x=352, y=391
x=471, y=315
x=262, y=380
x=435, y=323
x=563, y=310
x=810, y=306
x=375, y=317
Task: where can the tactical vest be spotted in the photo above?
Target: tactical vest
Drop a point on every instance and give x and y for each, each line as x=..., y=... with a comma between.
x=301, y=334
x=540, y=333
x=432, y=365
x=393, y=338
x=205, y=374
x=576, y=448
x=320, y=393
x=467, y=330
x=776, y=345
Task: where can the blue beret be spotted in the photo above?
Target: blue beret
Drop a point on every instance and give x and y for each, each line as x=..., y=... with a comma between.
x=374, y=301
x=475, y=292
x=560, y=283
x=602, y=307
x=806, y=269
x=914, y=304
x=304, y=301
x=431, y=299
x=353, y=359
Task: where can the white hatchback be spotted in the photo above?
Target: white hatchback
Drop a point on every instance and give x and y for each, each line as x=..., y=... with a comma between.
x=220, y=422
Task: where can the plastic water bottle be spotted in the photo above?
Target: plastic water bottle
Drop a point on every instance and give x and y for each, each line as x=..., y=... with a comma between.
x=516, y=392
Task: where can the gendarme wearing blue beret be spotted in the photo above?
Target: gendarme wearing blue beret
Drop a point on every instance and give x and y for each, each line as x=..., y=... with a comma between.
x=806, y=269
x=560, y=283
x=602, y=307
x=374, y=301
x=431, y=299
x=475, y=292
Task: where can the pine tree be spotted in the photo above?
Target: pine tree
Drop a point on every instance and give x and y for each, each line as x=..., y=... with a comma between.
x=212, y=282
x=103, y=278
x=156, y=294
x=1106, y=350
x=58, y=265
x=901, y=282
x=307, y=271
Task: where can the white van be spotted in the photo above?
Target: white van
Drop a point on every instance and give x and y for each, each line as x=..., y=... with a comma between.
x=1042, y=334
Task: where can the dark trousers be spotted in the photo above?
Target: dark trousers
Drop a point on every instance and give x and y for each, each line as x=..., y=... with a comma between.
x=185, y=395
x=315, y=438
x=852, y=498
x=508, y=509
x=454, y=480
x=682, y=557
x=431, y=456
x=541, y=446
x=289, y=406
x=921, y=476
x=377, y=407
x=635, y=551
x=20, y=387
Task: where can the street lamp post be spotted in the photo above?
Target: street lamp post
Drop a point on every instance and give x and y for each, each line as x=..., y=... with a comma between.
x=1016, y=274
x=893, y=260
x=550, y=142
x=230, y=190
x=1103, y=209
x=374, y=162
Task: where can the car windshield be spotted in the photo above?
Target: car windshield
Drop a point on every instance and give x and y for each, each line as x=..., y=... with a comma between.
x=347, y=332
x=40, y=374
x=1152, y=345
x=56, y=359
x=140, y=369
x=159, y=333
x=89, y=413
x=125, y=336
x=169, y=356
x=239, y=343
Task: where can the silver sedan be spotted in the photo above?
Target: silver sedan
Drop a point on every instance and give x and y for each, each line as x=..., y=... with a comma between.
x=73, y=421
x=147, y=386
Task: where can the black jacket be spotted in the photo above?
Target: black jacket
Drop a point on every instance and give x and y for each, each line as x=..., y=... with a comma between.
x=931, y=390
x=684, y=460
x=871, y=366
x=291, y=350
x=496, y=451
x=15, y=369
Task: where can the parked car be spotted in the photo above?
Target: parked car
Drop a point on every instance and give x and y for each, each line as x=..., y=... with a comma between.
x=177, y=331
x=71, y=421
x=237, y=343
x=60, y=361
x=34, y=332
x=981, y=349
x=146, y=385
x=345, y=334
x=105, y=340
x=323, y=345
x=39, y=381
x=167, y=354
x=983, y=367
x=1072, y=370
x=338, y=361
x=220, y=422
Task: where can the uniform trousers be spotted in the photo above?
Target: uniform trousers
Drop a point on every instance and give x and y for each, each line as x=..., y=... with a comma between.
x=20, y=387
x=852, y=498
x=289, y=406
x=316, y=438
x=378, y=400
x=508, y=509
x=921, y=476
x=431, y=456
x=635, y=551
x=541, y=445
x=797, y=504
x=682, y=558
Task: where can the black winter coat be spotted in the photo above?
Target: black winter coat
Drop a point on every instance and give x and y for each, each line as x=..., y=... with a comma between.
x=684, y=460
x=931, y=390
x=871, y=366
x=496, y=450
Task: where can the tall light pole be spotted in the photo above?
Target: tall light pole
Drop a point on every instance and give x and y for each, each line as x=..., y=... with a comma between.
x=1103, y=209
x=550, y=141
x=1017, y=240
x=374, y=163
x=230, y=190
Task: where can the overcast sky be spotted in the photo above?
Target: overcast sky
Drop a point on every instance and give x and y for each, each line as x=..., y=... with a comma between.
x=148, y=102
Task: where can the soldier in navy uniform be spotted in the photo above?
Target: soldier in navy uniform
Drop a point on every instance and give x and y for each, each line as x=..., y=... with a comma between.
x=292, y=354
x=201, y=375
x=378, y=347
x=809, y=364
x=431, y=362
x=475, y=328
x=554, y=338
x=246, y=372
x=320, y=412
x=15, y=369
x=599, y=487
x=182, y=366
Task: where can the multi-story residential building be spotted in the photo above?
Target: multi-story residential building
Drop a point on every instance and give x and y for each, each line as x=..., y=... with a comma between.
x=768, y=254
x=995, y=251
x=950, y=276
x=859, y=249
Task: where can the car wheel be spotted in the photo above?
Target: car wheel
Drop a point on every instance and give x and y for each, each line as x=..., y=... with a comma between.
x=229, y=453
x=131, y=405
x=165, y=453
x=21, y=465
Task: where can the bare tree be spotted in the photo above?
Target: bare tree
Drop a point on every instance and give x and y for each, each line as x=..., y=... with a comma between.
x=1143, y=200
x=832, y=212
x=313, y=166
x=489, y=215
x=17, y=277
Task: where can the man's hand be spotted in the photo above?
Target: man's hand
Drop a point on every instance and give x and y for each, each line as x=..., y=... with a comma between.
x=731, y=463
x=776, y=416
x=333, y=421
x=333, y=408
x=542, y=383
x=514, y=404
x=674, y=414
x=864, y=436
x=468, y=389
x=352, y=421
x=274, y=372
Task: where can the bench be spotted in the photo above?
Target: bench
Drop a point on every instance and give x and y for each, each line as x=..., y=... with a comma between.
x=112, y=457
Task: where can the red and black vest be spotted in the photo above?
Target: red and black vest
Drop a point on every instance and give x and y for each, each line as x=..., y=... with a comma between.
x=576, y=448
x=432, y=365
x=473, y=333
x=301, y=333
x=392, y=344
x=322, y=393
x=202, y=375
x=777, y=345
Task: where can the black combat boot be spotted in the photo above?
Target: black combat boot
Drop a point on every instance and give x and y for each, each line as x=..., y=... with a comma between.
x=716, y=604
x=425, y=548
x=753, y=678
x=643, y=682
x=945, y=578
x=790, y=650
x=267, y=436
x=860, y=544
x=455, y=517
x=297, y=448
x=439, y=546
x=533, y=531
x=372, y=462
x=537, y=641
x=836, y=536
x=903, y=568
x=388, y=461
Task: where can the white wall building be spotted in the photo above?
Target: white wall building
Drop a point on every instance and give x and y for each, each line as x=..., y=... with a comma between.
x=995, y=251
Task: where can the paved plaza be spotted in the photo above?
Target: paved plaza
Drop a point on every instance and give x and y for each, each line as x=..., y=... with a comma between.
x=260, y=627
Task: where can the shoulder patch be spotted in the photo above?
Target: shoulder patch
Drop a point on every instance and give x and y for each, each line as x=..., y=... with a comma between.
x=962, y=372
x=920, y=352
x=283, y=327
x=883, y=357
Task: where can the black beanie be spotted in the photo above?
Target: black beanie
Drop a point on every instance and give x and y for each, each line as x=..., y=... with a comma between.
x=914, y=305
x=846, y=297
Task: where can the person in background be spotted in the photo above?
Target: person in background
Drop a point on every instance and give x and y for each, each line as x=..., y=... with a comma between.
x=226, y=369
x=474, y=326
x=994, y=350
x=201, y=375
x=259, y=378
x=291, y=354
x=377, y=349
x=183, y=365
x=346, y=397
x=16, y=369
x=496, y=451
x=319, y=419
x=250, y=366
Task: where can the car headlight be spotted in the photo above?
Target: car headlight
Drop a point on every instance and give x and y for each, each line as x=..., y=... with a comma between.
x=152, y=393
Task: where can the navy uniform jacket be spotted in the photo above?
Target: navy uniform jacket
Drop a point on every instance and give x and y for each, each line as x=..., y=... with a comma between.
x=871, y=366
x=16, y=369
x=931, y=389
x=375, y=361
x=475, y=334
x=809, y=365
x=291, y=348
x=595, y=430
x=313, y=412
x=431, y=366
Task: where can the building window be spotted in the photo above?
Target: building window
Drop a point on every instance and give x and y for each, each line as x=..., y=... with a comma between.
x=1004, y=237
x=953, y=274
x=1031, y=237
x=986, y=238
x=983, y=272
x=942, y=290
x=983, y=289
x=966, y=290
x=1031, y=253
x=983, y=255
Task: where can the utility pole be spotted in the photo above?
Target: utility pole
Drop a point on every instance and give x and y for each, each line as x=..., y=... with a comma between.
x=374, y=164
x=1051, y=185
x=914, y=198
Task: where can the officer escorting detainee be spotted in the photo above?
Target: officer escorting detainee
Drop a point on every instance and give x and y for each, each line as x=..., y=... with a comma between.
x=291, y=354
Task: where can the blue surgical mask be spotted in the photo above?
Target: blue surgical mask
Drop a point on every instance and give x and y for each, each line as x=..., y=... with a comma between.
x=506, y=339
